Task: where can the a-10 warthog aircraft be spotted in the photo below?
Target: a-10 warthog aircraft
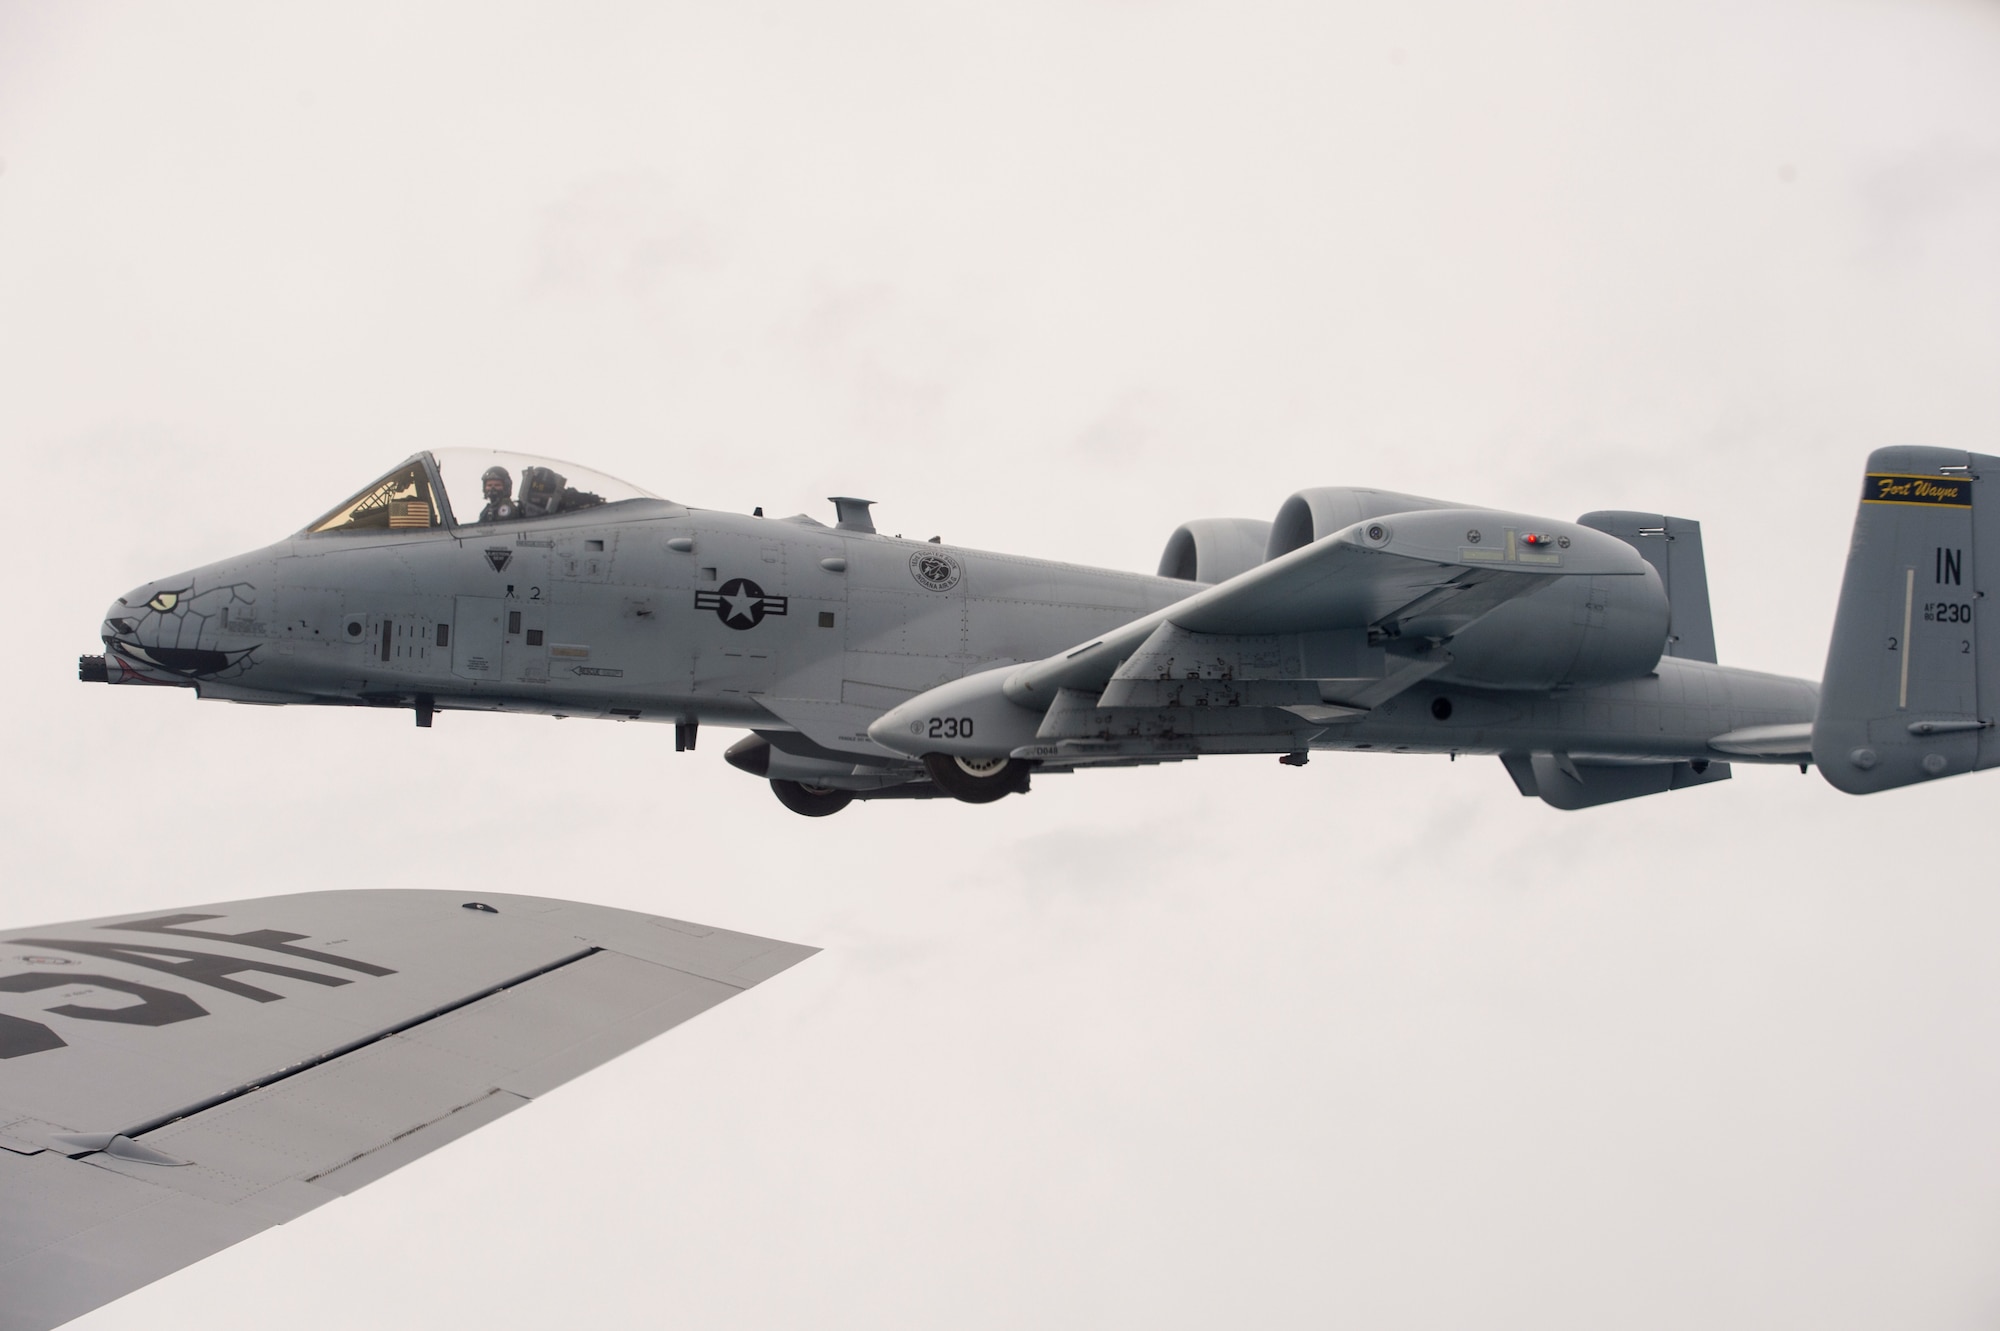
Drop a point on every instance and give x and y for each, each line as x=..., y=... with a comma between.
x=867, y=666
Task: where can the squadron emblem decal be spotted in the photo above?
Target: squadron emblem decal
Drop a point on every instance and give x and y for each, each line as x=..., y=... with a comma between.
x=934, y=569
x=741, y=603
x=499, y=557
x=1890, y=488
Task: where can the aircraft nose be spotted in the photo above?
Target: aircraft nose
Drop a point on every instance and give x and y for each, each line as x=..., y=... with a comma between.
x=127, y=657
x=171, y=631
x=119, y=620
x=140, y=615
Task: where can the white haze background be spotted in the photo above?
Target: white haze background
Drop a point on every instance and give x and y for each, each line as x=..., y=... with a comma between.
x=1375, y=1044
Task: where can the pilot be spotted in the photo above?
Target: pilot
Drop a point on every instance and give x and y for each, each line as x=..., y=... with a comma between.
x=498, y=485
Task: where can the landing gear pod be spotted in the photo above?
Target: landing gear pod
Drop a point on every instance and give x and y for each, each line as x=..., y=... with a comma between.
x=977, y=780
x=970, y=718
x=812, y=801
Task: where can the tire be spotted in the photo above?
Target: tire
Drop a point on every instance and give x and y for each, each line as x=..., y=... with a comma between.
x=977, y=780
x=812, y=801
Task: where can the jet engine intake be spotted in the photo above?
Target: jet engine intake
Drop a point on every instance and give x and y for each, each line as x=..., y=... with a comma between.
x=1215, y=549
x=1311, y=514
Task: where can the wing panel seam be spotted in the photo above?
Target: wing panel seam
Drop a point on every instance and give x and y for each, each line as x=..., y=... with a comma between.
x=353, y=1046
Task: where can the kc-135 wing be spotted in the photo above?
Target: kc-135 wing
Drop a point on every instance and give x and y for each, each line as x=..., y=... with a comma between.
x=171, y=1084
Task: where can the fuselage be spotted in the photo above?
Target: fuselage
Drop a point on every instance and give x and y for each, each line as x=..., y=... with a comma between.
x=643, y=609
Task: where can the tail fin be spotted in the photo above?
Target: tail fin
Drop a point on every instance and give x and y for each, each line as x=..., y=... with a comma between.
x=1906, y=697
x=1673, y=547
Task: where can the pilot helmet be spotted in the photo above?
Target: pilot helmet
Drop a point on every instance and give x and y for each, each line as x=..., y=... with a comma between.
x=503, y=490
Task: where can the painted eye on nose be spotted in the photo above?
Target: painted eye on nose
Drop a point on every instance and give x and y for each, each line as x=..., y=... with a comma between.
x=165, y=601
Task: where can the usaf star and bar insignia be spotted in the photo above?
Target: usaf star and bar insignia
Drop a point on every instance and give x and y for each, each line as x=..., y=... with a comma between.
x=740, y=603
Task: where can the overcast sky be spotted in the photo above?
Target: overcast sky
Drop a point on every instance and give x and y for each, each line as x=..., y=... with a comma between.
x=1377, y=1043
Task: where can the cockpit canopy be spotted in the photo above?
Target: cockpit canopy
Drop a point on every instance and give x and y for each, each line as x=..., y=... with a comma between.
x=471, y=487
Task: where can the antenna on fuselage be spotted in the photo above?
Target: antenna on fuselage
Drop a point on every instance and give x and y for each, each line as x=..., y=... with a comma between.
x=852, y=514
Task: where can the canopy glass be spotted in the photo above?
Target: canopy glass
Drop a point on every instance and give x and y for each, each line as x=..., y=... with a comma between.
x=475, y=486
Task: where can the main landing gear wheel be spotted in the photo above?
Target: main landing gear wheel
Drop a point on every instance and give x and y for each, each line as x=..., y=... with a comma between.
x=812, y=801
x=977, y=780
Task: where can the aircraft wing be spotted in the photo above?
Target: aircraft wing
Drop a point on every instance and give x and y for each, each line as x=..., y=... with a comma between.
x=1420, y=567
x=172, y=1083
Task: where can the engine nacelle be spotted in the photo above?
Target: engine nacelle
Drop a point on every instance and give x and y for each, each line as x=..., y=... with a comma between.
x=1311, y=514
x=1214, y=549
x=1575, y=631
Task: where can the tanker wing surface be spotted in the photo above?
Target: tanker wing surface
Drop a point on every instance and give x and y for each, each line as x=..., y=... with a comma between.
x=175, y=1083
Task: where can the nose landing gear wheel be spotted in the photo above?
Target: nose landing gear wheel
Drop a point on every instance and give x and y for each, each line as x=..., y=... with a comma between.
x=977, y=780
x=812, y=801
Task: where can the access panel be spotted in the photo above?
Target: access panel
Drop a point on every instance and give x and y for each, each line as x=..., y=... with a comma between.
x=476, y=636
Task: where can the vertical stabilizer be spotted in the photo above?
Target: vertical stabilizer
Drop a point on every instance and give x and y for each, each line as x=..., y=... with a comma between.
x=1673, y=547
x=1907, y=695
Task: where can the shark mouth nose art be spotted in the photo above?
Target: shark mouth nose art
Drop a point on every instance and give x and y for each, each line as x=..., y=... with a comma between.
x=172, y=635
x=186, y=662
